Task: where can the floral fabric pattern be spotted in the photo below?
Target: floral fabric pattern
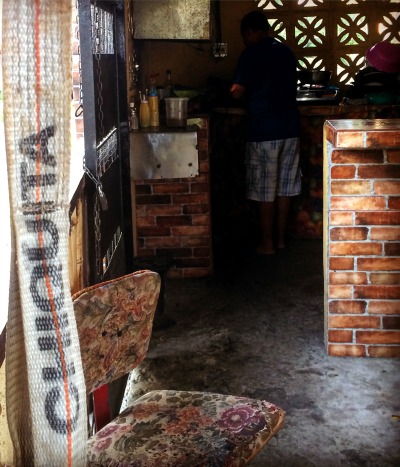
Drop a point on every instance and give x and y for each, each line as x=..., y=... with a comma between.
x=187, y=429
x=114, y=321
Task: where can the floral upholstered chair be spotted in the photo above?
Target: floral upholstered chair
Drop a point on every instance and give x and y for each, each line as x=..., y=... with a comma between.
x=161, y=428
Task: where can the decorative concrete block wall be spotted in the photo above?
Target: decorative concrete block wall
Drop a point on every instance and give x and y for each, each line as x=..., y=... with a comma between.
x=362, y=237
x=172, y=217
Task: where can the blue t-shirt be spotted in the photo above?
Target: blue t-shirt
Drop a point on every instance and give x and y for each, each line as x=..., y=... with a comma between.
x=268, y=72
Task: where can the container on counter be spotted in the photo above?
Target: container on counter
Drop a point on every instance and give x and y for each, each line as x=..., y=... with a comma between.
x=176, y=111
x=154, y=110
x=144, y=113
x=133, y=118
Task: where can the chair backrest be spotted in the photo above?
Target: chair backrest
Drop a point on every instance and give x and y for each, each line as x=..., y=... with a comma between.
x=114, y=321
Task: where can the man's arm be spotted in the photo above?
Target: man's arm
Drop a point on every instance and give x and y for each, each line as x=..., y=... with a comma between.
x=237, y=91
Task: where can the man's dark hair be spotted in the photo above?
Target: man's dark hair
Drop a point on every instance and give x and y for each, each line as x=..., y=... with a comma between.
x=255, y=20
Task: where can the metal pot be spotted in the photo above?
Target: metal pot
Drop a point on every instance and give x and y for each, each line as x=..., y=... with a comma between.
x=314, y=77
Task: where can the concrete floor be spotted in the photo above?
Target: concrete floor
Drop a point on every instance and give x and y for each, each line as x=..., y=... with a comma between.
x=256, y=329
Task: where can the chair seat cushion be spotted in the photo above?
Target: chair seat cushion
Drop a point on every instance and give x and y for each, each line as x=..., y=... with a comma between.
x=180, y=428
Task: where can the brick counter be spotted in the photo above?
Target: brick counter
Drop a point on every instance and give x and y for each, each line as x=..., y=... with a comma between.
x=172, y=217
x=362, y=237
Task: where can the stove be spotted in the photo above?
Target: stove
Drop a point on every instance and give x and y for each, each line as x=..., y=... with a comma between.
x=317, y=94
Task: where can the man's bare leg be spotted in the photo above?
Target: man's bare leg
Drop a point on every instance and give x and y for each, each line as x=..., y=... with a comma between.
x=267, y=210
x=283, y=214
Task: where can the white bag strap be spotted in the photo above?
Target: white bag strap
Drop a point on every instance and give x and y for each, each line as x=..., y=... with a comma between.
x=46, y=397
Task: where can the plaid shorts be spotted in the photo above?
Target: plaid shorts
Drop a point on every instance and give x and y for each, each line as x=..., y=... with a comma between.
x=272, y=169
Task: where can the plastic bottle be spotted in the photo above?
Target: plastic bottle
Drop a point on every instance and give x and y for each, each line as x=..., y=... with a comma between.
x=169, y=85
x=153, y=104
x=133, y=118
x=154, y=111
x=144, y=113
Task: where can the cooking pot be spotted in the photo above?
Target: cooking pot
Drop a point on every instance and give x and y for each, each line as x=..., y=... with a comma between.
x=314, y=77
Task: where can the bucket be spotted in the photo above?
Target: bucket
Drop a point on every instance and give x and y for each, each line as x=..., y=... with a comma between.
x=176, y=110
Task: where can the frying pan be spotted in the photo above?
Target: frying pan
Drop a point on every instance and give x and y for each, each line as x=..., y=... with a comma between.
x=314, y=77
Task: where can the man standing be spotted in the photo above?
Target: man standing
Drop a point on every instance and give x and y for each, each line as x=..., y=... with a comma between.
x=266, y=76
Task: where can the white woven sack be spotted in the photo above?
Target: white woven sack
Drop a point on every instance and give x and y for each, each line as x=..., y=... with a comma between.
x=46, y=401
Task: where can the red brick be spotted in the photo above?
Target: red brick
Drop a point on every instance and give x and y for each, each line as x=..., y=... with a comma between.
x=343, y=171
x=392, y=249
x=377, y=291
x=336, y=278
x=143, y=189
x=379, y=139
x=357, y=157
x=378, y=264
x=190, y=230
x=356, y=249
x=153, y=231
x=351, y=187
x=175, y=273
x=391, y=322
x=153, y=199
x=199, y=188
x=393, y=156
x=163, y=188
x=141, y=211
x=146, y=252
x=171, y=221
x=378, y=218
x=162, y=210
x=349, y=233
x=200, y=252
x=203, y=178
x=353, y=322
x=378, y=337
x=337, y=350
x=204, y=167
x=175, y=252
x=340, y=263
x=157, y=242
x=385, y=233
x=201, y=219
x=191, y=198
x=196, y=272
x=379, y=171
x=340, y=336
x=340, y=218
x=387, y=188
x=347, y=306
x=202, y=143
x=196, y=209
x=340, y=291
x=145, y=221
x=394, y=202
x=384, y=279
x=384, y=352
x=350, y=139
x=194, y=241
x=357, y=203
x=384, y=307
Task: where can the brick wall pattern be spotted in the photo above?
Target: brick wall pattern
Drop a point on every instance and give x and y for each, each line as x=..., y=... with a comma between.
x=362, y=238
x=172, y=217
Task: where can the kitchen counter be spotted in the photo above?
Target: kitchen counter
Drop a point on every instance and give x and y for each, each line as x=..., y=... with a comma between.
x=345, y=110
x=234, y=218
x=171, y=208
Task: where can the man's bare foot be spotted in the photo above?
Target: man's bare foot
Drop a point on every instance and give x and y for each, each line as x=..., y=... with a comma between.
x=261, y=250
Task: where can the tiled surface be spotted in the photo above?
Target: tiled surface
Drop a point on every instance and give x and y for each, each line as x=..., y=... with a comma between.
x=256, y=328
x=362, y=238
